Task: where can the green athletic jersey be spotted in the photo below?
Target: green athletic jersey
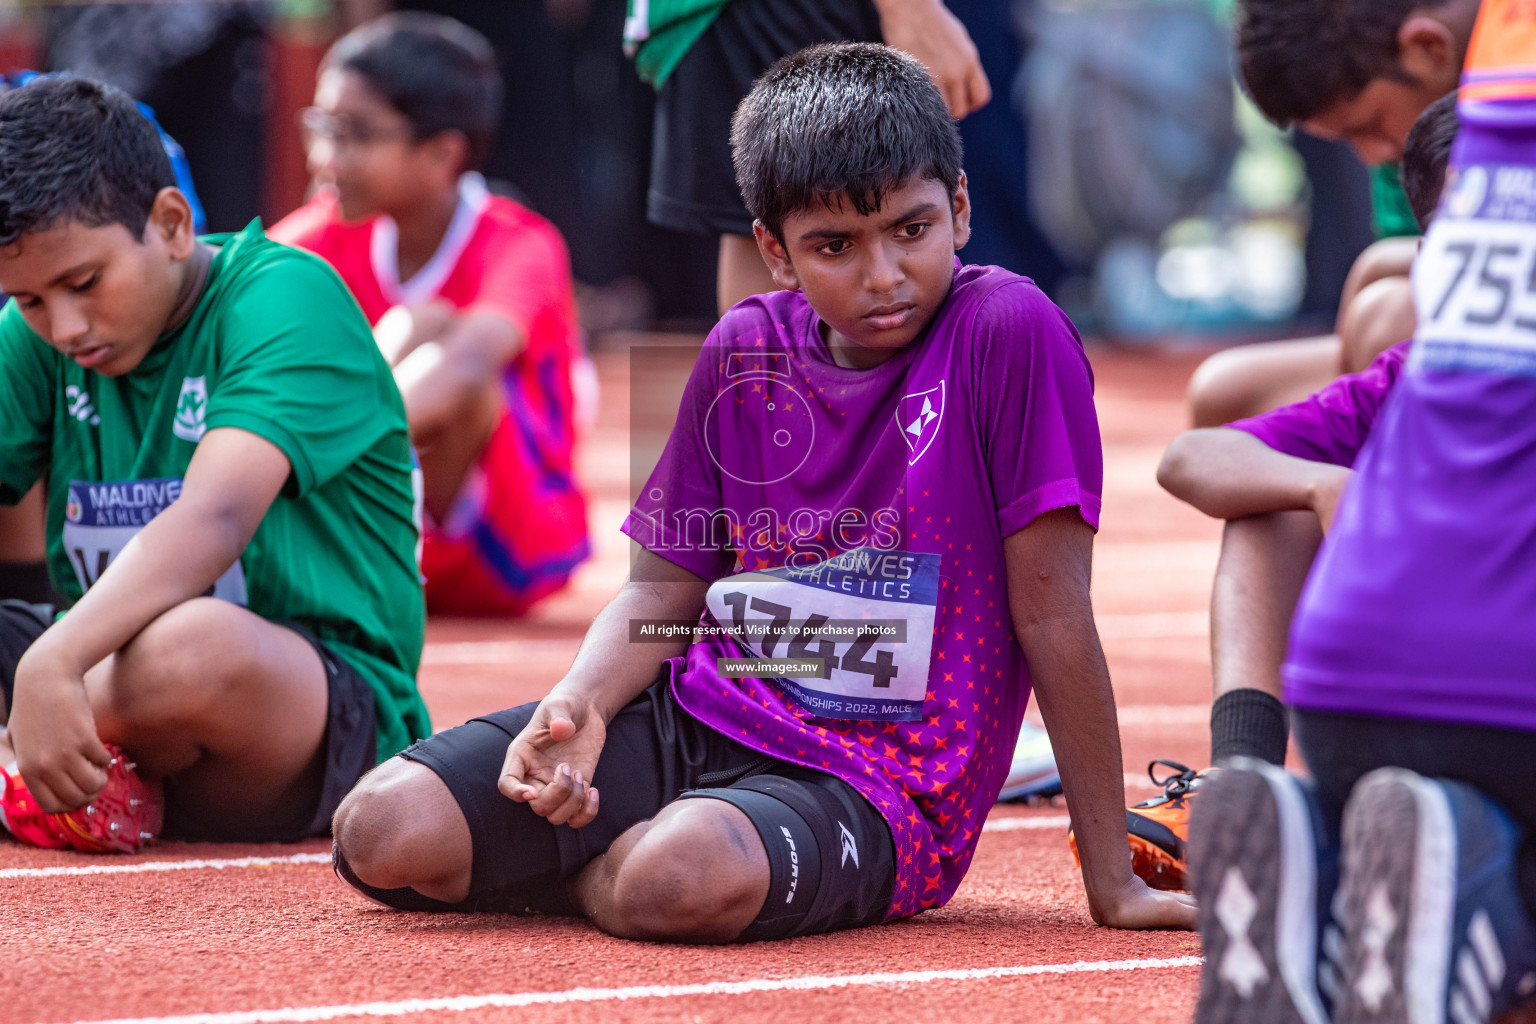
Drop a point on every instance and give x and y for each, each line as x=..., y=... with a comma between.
x=659, y=33
x=1391, y=214
x=277, y=347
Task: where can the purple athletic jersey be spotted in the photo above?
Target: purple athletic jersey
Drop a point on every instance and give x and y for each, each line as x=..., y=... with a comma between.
x=1422, y=602
x=856, y=518
x=1332, y=424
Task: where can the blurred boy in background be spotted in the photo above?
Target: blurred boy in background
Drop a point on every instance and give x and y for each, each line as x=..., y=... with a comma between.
x=1362, y=72
x=471, y=300
x=703, y=55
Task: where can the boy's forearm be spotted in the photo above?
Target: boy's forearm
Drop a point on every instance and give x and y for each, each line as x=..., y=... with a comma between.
x=176, y=557
x=611, y=669
x=1072, y=687
x=443, y=376
x=1228, y=474
x=232, y=480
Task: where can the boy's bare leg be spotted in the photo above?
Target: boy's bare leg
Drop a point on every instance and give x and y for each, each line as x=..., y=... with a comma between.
x=1251, y=379
x=21, y=529
x=401, y=828
x=741, y=272
x=1264, y=563
x=23, y=548
x=450, y=441
x=696, y=872
x=1380, y=316
x=232, y=705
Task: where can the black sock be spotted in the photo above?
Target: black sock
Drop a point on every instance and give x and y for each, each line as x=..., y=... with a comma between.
x=1249, y=723
x=27, y=581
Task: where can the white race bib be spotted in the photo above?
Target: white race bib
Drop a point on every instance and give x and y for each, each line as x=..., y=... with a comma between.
x=101, y=518
x=867, y=615
x=1474, y=281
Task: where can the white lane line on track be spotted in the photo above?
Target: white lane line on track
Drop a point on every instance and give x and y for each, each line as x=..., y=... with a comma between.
x=452, y=1004
x=1025, y=824
x=165, y=865
x=1164, y=714
x=1153, y=625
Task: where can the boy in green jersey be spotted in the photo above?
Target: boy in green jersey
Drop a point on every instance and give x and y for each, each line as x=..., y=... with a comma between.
x=231, y=505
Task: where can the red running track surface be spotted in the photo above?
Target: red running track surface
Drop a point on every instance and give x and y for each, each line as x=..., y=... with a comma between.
x=278, y=933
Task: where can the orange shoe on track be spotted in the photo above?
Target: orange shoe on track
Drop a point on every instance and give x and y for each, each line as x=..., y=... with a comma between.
x=125, y=815
x=1159, y=828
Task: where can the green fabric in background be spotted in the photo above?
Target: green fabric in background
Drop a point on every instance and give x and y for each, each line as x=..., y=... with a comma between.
x=1390, y=213
x=659, y=33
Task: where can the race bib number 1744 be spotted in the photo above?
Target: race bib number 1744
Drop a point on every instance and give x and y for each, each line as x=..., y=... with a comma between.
x=858, y=627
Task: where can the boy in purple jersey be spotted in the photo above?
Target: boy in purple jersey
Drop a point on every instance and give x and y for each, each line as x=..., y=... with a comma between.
x=1399, y=883
x=880, y=495
x=1275, y=479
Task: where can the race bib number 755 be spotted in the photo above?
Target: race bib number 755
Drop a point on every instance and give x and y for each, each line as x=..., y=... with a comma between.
x=100, y=518
x=1474, y=281
x=864, y=617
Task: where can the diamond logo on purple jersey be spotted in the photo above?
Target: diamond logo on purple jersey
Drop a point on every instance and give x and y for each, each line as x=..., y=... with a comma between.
x=919, y=415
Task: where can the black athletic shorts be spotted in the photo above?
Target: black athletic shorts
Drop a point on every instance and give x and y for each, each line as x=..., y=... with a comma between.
x=693, y=182
x=351, y=739
x=1341, y=749
x=829, y=851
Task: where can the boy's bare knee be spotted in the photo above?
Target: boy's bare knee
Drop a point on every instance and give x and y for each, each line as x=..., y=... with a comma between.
x=1221, y=389
x=401, y=827
x=698, y=874
x=179, y=665
x=1380, y=316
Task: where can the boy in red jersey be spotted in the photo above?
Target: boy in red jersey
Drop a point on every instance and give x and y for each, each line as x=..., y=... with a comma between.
x=470, y=297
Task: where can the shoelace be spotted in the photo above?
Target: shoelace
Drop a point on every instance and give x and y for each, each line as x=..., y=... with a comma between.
x=1179, y=783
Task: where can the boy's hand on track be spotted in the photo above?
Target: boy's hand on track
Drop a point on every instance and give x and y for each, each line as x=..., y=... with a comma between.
x=1137, y=905
x=928, y=31
x=549, y=765
x=53, y=733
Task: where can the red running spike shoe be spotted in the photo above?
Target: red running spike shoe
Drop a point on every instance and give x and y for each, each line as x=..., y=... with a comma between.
x=1158, y=829
x=125, y=815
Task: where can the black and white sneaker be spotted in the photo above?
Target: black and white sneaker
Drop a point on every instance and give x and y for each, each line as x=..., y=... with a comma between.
x=1437, y=931
x=1264, y=880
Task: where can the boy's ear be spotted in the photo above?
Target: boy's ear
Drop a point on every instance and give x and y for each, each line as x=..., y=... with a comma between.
x=1428, y=50
x=961, y=208
x=777, y=258
x=449, y=149
x=171, y=219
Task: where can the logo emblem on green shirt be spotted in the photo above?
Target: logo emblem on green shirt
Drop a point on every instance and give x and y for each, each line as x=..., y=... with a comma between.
x=191, y=410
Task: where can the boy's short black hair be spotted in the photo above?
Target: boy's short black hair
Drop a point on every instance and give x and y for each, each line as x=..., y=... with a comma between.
x=840, y=119
x=1297, y=58
x=74, y=149
x=1426, y=154
x=439, y=73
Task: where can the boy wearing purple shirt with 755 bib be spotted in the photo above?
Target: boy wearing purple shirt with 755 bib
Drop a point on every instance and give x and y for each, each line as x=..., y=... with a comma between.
x=877, y=506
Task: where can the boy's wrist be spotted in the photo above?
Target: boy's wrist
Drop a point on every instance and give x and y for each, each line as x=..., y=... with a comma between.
x=57, y=653
x=1323, y=484
x=575, y=690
